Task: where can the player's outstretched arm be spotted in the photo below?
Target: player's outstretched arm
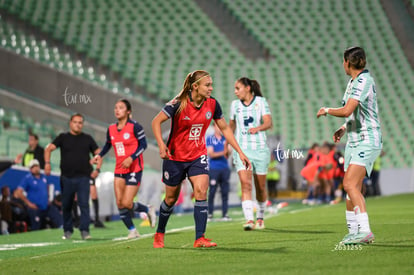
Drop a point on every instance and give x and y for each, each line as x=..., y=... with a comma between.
x=345, y=111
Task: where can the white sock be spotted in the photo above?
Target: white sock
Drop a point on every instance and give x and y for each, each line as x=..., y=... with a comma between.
x=363, y=222
x=248, y=209
x=261, y=210
x=351, y=222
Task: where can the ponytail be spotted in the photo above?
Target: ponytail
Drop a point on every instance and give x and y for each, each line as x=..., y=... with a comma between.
x=184, y=94
x=253, y=84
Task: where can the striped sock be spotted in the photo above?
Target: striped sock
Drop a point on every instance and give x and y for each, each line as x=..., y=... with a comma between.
x=125, y=216
x=200, y=217
x=351, y=222
x=165, y=213
x=139, y=207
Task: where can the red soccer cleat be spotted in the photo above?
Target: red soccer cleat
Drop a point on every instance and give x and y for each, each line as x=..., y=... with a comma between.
x=203, y=242
x=158, y=240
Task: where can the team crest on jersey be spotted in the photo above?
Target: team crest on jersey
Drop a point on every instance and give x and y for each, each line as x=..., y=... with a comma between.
x=126, y=136
x=256, y=106
x=208, y=115
x=195, y=131
x=166, y=175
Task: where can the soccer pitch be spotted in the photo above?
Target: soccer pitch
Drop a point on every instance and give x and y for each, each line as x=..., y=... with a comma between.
x=297, y=240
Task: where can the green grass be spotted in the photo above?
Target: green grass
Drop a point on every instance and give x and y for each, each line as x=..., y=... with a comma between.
x=298, y=240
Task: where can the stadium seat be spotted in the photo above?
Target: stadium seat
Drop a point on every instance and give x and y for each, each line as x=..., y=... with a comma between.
x=305, y=41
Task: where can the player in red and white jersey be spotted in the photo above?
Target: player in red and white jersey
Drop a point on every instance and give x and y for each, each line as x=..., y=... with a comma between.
x=127, y=137
x=185, y=154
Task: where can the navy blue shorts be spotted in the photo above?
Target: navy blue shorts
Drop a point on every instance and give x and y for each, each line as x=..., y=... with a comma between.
x=131, y=178
x=174, y=172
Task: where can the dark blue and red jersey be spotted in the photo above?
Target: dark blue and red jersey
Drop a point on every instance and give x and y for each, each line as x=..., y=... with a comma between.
x=188, y=128
x=129, y=141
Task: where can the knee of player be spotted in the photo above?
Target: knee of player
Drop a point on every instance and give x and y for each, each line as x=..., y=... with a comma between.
x=349, y=186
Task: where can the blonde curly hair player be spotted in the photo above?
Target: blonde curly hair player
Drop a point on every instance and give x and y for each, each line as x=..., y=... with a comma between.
x=185, y=154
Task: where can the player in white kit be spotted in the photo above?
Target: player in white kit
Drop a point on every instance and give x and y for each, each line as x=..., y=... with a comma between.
x=364, y=144
x=250, y=117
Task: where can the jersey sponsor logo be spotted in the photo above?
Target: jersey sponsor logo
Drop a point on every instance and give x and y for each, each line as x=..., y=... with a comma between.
x=195, y=131
x=127, y=136
x=120, y=149
x=247, y=120
x=186, y=118
x=208, y=115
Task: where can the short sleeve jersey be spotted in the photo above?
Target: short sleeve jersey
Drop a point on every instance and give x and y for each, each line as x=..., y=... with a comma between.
x=247, y=117
x=363, y=125
x=125, y=143
x=218, y=146
x=75, y=153
x=186, y=141
x=36, y=189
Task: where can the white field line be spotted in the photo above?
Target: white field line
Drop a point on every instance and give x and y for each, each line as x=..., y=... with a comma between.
x=123, y=240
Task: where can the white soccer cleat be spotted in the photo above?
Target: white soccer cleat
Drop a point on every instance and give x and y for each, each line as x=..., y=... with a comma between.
x=152, y=216
x=133, y=234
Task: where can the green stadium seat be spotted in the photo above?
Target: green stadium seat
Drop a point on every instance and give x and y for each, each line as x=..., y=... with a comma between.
x=156, y=51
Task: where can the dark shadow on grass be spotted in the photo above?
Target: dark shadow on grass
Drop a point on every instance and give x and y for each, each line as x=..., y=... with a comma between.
x=280, y=230
x=275, y=241
x=235, y=249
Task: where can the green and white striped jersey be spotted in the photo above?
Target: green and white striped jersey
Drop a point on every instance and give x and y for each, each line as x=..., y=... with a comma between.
x=363, y=125
x=247, y=117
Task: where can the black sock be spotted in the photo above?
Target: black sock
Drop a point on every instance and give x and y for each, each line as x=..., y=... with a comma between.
x=125, y=215
x=165, y=213
x=200, y=217
x=95, y=203
x=139, y=207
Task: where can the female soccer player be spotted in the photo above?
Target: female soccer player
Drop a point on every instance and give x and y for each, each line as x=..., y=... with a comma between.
x=364, y=140
x=185, y=154
x=250, y=117
x=129, y=142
